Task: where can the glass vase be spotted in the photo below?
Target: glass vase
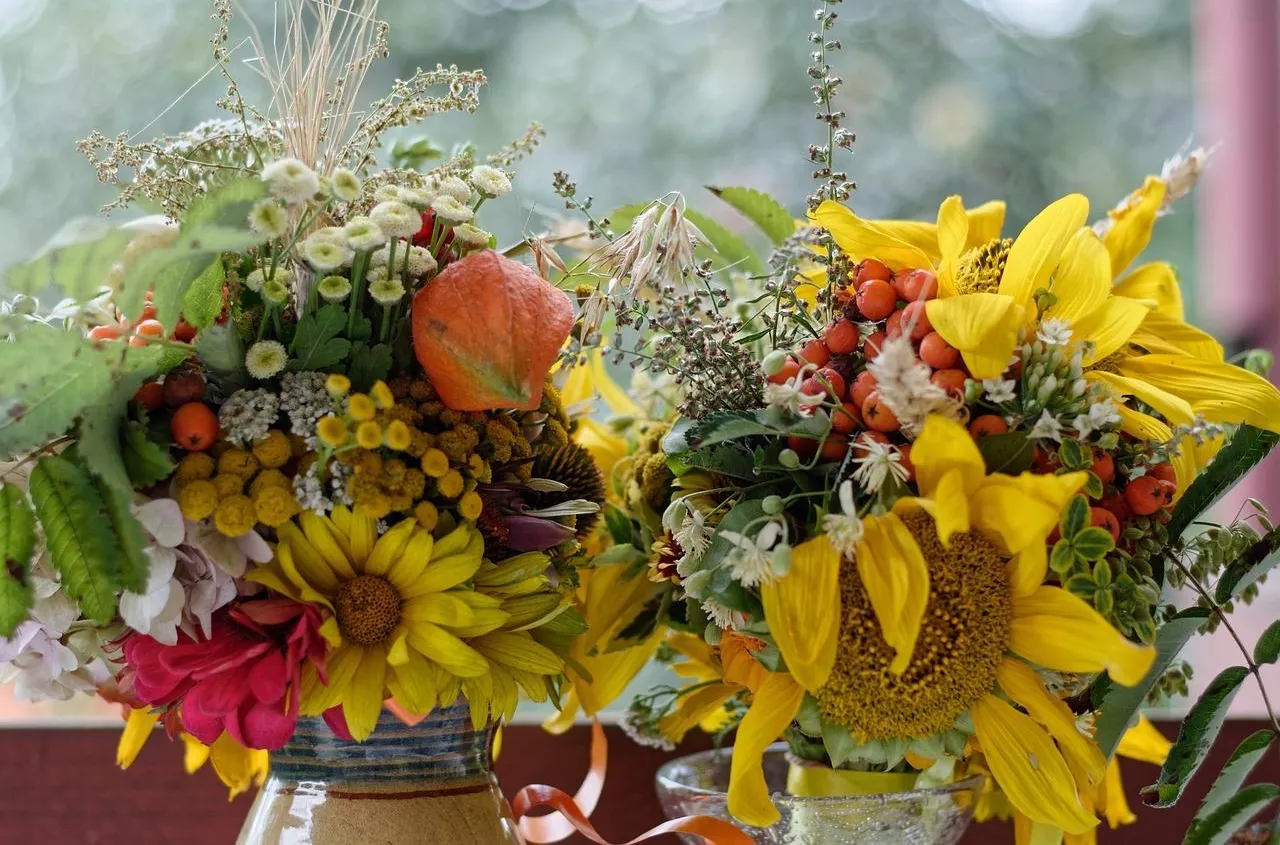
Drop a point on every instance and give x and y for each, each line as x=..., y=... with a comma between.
x=428, y=784
x=696, y=784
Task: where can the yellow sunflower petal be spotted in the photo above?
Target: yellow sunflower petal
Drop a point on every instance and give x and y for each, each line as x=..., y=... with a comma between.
x=1173, y=408
x=606, y=447
x=518, y=650
x=896, y=578
x=1163, y=334
x=1114, y=806
x=772, y=708
x=803, y=611
x=1083, y=279
x=1021, y=510
x=415, y=684
x=590, y=378
x=953, y=232
x=1156, y=282
x=694, y=708
x=364, y=533
x=313, y=585
x=1021, y=683
x=1221, y=392
x=341, y=666
x=362, y=701
x=861, y=239
x=413, y=558
x=1038, y=248
x=1028, y=568
x=1131, y=227
x=1028, y=767
x=985, y=223
x=945, y=446
x=1110, y=326
x=447, y=650
x=950, y=509
x=1057, y=630
x=331, y=632
x=441, y=608
x=324, y=537
x=442, y=573
x=611, y=672
x=1144, y=743
x=141, y=724
x=236, y=766
x=983, y=326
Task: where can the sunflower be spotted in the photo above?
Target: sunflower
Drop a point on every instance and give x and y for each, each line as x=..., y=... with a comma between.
x=943, y=613
x=398, y=618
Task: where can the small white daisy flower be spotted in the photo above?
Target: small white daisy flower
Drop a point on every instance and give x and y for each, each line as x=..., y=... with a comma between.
x=255, y=279
x=376, y=274
x=751, y=561
x=388, y=193
x=363, y=234
x=334, y=288
x=417, y=198
x=275, y=291
x=345, y=185
x=265, y=359
x=387, y=291
x=694, y=535
x=999, y=391
x=336, y=235
x=421, y=262
x=471, y=236
x=396, y=218
x=1046, y=428
x=451, y=210
x=325, y=255
x=490, y=181
x=789, y=397
x=291, y=180
x=876, y=463
x=454, y=187
x=723, y=617
x=844, y=528
x=269, y=218
x=1055, y=332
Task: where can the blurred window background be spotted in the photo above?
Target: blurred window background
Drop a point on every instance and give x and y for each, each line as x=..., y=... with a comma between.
x=1023, y=100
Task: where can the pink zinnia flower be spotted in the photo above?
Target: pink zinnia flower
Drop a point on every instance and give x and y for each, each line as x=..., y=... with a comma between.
x=243, y=679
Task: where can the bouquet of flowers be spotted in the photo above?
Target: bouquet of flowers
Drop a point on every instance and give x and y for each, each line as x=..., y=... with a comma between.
x=917, y=493
x=290, y=447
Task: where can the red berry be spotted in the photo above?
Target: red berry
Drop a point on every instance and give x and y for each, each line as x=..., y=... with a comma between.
x=835, y=447
x=1164, y=472
x=916, y=285
x=863, y=384
x=1170, y=490
x=182, y=386
x=987, y=424
x=1103, y=466
x=937, y=353
x=893, y=326
x=834, y=381
x=845, y=418
x=1103, y=518
x=905, y=452
x=877, y=299
x=1117, y=505
x=812, y=387
x=877, y=415
x=787, y=373
x=194, y=427
x=914, y=316
x=950, y=380
x=1015, y=371
x=150, y=395
x=1044, y=460
x=872, y=345
x=816, y=352
x=842, y=337
x=184, y=332
x=871, y=269
x=805, y=447
x=1144, y=495
x=148, y=313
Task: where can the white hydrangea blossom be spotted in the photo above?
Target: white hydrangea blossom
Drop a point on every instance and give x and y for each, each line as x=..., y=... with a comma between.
x=291, y=180
x=471, y=236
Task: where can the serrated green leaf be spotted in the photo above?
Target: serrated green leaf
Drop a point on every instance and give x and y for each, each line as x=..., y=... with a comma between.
x=146, y=461
x=1256, y=561
x=17, y=529
x=1075, y=518
x=368, y=364
x=15, y=603
x=80, y=544
x=317, y=345
x=1267, y=648
x=77, y=259
x=1092, y=543
x=734, y=425
x=1009, y=453
x=221, y=350
x=1230, y=779
x=47, y=378
x=1199, y=730
x=100, y=424
x=760, y=208
x=1220, y=826
x=731, y=251
x=1248, y=446
x=202, y=302
x=1120, y=704
x=132, y=564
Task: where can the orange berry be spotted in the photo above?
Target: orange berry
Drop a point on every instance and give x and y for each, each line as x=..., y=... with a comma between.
x=871, y=269
x=137, y=341
x=905, y=452
x=1044, y=460
x=1169, y=488
x=194, y=427
x=845, y=418
x=150, y=395
x=951, y=381
x=1164, y=472
x=877, y=415
x=104, y=332
x=863, y=384
x=184, y=332
x=916, y=285
x=893, y=325
x=1116, y=504
x=835, y=447
x=842, y=337
x=834, y=381
x=816, y=352
x=915, y=317
x=872, y=345
x=148, y=313
x=986, y=425
x=1103, y=466
x=877, y=299
x=787, y=373
x=1103, y=518
x=937, y=353
x=149, y=328
x=1144, y=495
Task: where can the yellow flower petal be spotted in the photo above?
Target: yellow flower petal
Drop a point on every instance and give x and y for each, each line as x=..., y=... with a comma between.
x=362, y=700
x=415, y=683
x=803, y=611
x=983, y=326
x=1156, y=282
x=772, y=708
x=1028, y=767
x=1144, y=743
x=237, y=767
x=1114, y=805
x=1058, y=630
x=606, y=447
x=313, y=586
x=1021, y=510
x=1173, y=408
x=1162, y=335
x=950, y=509
x=1221, y=392
x=953, y=232
x=1038, y=248
x=389, y=547
x=1131, y=226
x=1110, y=326
x=590, y=379
x=1083, y=280
x=1148, y=428
x=1021, y=683
x=194, y=754
x=441, y=608
x=413, y=558
x=362, y=535
x=1028, y=568
x=141, y=724
x=447, y=650
x=861, y=239
x=324, y=537
x=443, y=573
x=518, y=650
x=985, y=223
x=896, y=578
x=945, y=446
x=694, y=708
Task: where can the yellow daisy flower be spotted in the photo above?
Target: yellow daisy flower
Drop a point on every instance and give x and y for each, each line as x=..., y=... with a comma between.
x=236, y=766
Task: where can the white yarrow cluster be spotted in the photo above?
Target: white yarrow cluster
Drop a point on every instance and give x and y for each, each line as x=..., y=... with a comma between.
x=291, y=180
x=904, y=386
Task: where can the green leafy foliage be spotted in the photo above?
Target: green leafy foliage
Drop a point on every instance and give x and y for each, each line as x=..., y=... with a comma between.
x=368, y=364
x=132, y=564
x=1224, y=789
x=1248, y=446
x=17, y=545
x=99, y=442
x=731, y=250
x=317, y=344
x=77, y=259
x=760, y=208
x=1009, y=453
x=1267, y=648
x=735, y=425
x=15, y=603
x=1238, y=575
x=81, y=545
x=146, y=461
x=1199, y=730
x=838, y=742
x=1080, y=545
x=202, y=302
x=1221, y=825
x=1120, y=705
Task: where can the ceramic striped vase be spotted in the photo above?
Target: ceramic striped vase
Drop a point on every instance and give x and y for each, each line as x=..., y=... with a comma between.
x=427, y=784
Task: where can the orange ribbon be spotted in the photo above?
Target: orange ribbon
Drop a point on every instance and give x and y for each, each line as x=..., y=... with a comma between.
x=571, y=813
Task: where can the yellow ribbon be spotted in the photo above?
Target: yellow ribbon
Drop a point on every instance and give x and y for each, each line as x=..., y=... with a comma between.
x=821, y=781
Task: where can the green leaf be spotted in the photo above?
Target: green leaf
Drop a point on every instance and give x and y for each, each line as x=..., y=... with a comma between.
x=1199, y=730
x=80, y=543
x=15, y=602
x=1249, y=446
x=1009, y=453
x=368, y=364
x=1092, y=486
x=761, y=209
x=47, y=378
x=1222, y=824
x=17, y=545
x=1092, y=543
x=676, y=440
x=77, y=259
x=1062, y=557
x=735, y=425
x=132, y=564
x=146, y=461
x=1075, y=518
x=99, y=440
x=731, y=249
x=1230, y=779
x=317, y=344
x=1072, y=454
x=220, y=349
x=1255, y=562
x=738, y=517
x=838, y=742
x=1120, y=704
x=1267, y=649
x=202, y=302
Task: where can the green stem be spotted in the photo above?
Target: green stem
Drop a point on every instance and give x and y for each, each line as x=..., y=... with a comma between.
x=385, y=328
x=266, y=317
x=359, y=266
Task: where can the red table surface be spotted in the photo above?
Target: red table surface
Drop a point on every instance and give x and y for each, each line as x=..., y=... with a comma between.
x=61, y=787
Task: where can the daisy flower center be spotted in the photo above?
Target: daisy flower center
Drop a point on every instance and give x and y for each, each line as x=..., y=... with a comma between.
x=368, y=609
x=981, y=267
x=962, y=639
